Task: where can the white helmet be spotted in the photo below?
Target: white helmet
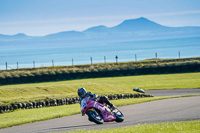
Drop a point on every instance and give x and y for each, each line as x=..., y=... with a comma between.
x=81, y=92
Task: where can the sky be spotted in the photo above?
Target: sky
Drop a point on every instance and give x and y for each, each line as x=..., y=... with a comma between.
x=43, y=17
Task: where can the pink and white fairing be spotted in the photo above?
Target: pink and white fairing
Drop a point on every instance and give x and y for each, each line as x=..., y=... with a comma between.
x=87, y=103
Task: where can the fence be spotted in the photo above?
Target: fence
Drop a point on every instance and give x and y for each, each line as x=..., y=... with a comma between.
x=7, y=67
x=108, y=70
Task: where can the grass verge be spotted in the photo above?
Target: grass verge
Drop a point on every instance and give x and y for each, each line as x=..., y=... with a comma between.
x=19, y=117
x=101, y=86
x=172, y=127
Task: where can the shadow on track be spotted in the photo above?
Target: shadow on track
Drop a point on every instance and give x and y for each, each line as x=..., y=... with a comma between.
x=59, y=128
x=90, y=126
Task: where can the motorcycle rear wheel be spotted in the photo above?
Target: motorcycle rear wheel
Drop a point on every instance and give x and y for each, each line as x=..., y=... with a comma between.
x=95, y=117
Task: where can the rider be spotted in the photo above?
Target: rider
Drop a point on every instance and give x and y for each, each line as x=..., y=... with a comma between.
x=103, y=99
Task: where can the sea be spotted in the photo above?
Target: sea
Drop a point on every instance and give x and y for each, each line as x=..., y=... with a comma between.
x=20, y=56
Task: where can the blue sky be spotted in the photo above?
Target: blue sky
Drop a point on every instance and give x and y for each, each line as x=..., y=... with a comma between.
x=42, y=17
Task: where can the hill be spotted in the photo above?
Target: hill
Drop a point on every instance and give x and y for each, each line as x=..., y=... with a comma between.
x=133, y=29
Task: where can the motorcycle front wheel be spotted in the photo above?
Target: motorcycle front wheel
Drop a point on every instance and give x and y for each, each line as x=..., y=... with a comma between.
x=119, y=116
x=95, y=117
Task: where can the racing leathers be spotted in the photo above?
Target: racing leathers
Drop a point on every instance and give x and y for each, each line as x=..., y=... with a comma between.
x=102, y=99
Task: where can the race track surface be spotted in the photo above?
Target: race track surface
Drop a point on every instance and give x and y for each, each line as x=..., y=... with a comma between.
x=168, y=110
x=173, y=92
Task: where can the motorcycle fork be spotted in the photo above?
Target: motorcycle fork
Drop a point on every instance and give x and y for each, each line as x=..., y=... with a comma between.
x=94, y=110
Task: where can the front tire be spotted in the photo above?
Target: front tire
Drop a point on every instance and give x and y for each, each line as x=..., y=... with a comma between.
x=119, y=116
x=95, y=117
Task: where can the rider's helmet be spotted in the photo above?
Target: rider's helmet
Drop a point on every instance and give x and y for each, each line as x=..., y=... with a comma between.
x=81, y=92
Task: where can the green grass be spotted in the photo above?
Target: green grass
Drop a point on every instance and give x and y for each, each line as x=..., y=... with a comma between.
x=19, y=117
x=172, y=127
x=101, y=86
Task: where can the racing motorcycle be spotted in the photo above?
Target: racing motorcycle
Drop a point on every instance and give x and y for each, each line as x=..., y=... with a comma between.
x=98, y=112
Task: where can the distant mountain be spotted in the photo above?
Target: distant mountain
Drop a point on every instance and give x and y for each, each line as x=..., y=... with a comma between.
x=19, y=36
x=65, y=35
x=133, y=29
x=100, y=28
x=139, y=24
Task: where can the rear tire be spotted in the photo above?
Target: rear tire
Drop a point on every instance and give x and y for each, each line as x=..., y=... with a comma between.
x=95, y=117
x=119, y=116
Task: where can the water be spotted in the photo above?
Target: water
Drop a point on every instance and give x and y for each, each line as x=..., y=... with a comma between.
x=125, y=50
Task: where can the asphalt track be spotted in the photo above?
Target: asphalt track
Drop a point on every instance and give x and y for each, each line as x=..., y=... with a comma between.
x=168, y=110
x=173, y=92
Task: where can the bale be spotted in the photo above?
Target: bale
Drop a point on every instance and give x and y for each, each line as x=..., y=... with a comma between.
x=47, y=102
x=19, y=105
x=30, y=105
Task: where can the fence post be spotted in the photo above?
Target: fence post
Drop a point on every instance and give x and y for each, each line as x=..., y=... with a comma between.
x=91, y=60
x=52, y=63
x=156, y=55
x=116, y=59
x=6, y=66
x=135, y=57
x=17, y=65
x=105, y=59
x=33, y=64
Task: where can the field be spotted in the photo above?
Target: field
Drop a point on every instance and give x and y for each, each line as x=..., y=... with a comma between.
x=101, y=86
x=173, y=127
x=19, y=117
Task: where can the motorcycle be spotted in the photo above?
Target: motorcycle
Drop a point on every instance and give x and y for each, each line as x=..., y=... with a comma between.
x=98, y=112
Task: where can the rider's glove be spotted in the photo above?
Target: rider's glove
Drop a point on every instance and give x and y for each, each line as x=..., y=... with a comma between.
x=93, y=96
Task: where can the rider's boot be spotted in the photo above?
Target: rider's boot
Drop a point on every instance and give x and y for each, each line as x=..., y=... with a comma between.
x=104, y=99
x=113, y=108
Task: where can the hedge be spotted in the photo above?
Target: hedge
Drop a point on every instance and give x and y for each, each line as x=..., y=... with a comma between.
x=94, y=71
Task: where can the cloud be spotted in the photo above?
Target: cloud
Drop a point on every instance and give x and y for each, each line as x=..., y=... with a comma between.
x=46, y=26
x=99, y=18
x=174, y=13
